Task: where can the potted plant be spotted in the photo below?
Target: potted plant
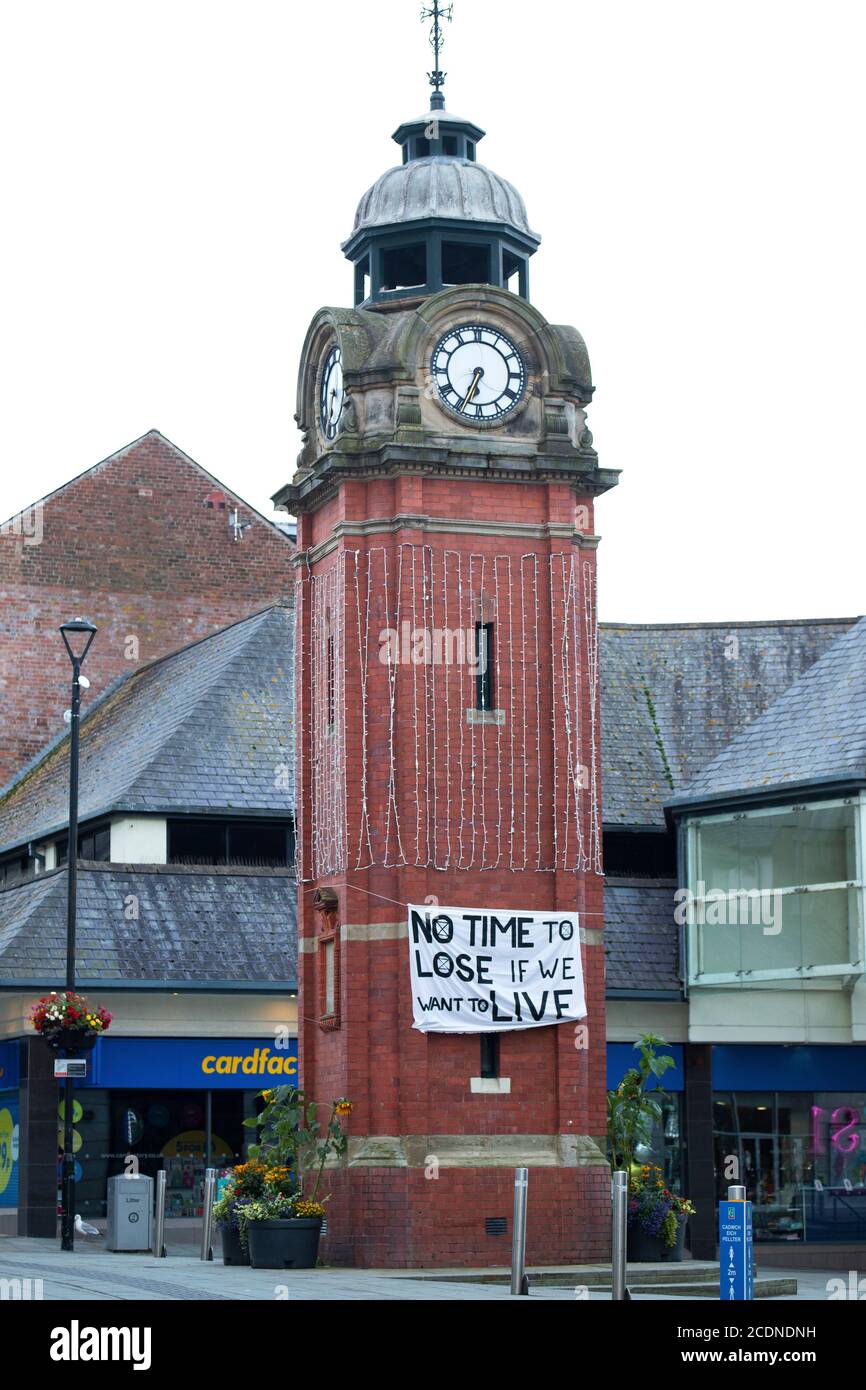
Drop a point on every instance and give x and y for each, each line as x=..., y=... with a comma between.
x=246, y=1184
x=68, y=1022
x=281, y=1227
x=656, y=1216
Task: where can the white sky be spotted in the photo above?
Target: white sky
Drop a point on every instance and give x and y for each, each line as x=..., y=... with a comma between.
x=177, y=177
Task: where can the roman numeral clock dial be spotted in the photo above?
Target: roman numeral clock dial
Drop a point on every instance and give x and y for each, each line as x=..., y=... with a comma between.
x=479, y=373
x=332, y=395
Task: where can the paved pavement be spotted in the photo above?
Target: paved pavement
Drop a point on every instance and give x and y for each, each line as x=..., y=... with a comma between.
x=92, y=1273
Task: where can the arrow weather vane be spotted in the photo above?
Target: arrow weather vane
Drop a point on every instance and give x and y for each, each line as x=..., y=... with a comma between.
x=438, y=13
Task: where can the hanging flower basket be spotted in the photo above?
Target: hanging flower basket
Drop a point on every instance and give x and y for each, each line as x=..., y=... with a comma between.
x=71, y=1040
x=68, y=1023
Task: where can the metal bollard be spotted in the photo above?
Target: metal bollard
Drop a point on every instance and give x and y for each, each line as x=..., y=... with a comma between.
x=210, y=1175
x=619, y=1201
x=736, y=1193
x=519, y=1281
x=159, y=1217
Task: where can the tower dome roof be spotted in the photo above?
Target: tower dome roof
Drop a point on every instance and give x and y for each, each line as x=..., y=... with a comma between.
x=439, y=218
x=441, y=187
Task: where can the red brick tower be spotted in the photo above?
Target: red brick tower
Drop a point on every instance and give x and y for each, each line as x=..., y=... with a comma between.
x=447, y=709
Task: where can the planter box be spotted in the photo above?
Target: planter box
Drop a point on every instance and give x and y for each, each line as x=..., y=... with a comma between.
x=289, y=1244
x=233, y=1250
x=644, y=1249
x=70, y=1040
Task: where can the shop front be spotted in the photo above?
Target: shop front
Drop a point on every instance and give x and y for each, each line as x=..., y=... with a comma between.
x=9, y=1131
x=172, y=1103
x=794, y=1118
x=666, y=1146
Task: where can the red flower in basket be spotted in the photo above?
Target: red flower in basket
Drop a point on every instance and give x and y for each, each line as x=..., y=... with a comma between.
x=65, y=1011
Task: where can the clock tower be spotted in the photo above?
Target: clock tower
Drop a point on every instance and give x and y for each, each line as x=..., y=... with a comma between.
x=448, y=742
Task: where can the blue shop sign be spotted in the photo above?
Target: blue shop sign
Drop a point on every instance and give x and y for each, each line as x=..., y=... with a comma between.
x=9, y=1065
x=622, y=1056
x=192, y=1064
x=775, y=1067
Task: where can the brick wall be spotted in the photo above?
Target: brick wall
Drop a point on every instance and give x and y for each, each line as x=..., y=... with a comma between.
x=141, y=546
x=402, y=1082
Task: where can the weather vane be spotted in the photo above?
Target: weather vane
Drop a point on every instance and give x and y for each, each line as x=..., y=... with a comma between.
x=438, y=13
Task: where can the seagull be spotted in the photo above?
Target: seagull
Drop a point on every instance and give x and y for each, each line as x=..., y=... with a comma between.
x=84, y=1229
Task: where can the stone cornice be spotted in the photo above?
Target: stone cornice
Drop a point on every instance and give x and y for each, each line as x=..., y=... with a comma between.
x=474, y=1151
x=563, y=464
x=444, y=525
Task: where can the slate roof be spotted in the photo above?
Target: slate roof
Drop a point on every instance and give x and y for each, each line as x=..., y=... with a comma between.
x=202, y=926
x=207, y=729
x=814, y=732
x=672, y=699
x=641, y=937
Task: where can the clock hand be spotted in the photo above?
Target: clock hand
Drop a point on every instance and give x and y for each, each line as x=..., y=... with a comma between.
x=479, y=372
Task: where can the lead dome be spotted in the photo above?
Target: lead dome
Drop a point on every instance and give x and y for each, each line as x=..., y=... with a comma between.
x=439, y=219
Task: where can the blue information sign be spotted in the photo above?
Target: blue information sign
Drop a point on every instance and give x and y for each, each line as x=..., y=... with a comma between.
x=735, y=1250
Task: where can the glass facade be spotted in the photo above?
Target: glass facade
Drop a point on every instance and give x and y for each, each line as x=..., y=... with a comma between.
x=774, y=893
x=666, y=1149
x=158, y=1128
x=802, y=1157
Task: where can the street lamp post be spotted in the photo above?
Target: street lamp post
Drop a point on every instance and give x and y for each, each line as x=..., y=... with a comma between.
x=77, y=637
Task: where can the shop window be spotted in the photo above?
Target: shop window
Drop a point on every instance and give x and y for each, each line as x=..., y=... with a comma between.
x=773, y=894
x=181, y=1132
x=465, y=264
x=404, y=267
x=802, y=1159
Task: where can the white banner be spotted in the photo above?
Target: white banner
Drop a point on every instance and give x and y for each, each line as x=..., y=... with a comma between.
x=479, y=970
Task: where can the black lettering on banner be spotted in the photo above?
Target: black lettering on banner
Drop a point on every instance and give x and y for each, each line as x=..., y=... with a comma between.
x=499, y=970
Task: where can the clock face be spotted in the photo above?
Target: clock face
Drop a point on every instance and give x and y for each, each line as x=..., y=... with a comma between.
x=479, y=373
x=331, y=393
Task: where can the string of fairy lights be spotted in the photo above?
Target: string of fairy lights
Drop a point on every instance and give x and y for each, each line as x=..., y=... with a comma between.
x=387, y=646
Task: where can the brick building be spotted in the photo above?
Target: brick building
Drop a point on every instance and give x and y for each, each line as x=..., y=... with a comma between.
x=185, y=920
x=147, y=545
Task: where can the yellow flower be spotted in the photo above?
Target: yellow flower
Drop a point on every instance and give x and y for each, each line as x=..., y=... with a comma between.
x=305, y=1208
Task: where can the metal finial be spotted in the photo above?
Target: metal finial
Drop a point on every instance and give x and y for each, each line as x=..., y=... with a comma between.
x=438, y=13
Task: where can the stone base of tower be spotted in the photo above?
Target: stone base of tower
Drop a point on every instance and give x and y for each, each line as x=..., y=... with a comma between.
x=410, y=1218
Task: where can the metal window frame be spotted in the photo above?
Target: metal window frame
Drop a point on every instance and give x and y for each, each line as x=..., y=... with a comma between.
x=845, y=971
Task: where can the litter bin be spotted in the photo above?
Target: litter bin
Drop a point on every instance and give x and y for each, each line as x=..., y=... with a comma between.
x=130, y=1212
